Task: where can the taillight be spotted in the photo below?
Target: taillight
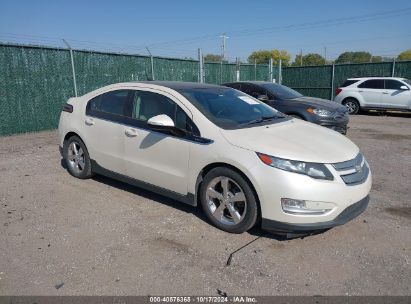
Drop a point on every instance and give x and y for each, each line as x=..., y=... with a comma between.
x=337, y=91
x=68, y=108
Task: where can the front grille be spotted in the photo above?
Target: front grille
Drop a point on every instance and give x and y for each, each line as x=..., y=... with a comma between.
x=354, y=171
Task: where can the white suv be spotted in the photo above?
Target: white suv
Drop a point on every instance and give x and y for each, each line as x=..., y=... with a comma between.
x=241, y=160
x=375, y=93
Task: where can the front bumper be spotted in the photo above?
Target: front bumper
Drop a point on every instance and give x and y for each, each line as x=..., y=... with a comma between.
x=273, y=184
x=336, y=123
x=345, y=216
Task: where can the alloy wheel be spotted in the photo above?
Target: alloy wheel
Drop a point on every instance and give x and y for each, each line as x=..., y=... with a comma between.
x=75, y=157
x=226, y=200
x=351, y=106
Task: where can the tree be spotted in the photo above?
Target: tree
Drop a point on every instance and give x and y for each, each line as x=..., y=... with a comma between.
x=376, y=59
x=354, y=57
x=212, y=58
x=406, y=55
x=309, y=59
x=263, y=56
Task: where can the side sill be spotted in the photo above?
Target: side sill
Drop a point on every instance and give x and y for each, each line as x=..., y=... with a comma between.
x=186, y=199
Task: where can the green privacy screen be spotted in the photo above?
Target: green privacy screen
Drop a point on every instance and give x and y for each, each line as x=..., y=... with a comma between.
x=317, y=80
x=36, y=81
x=33, y=85
x=309, y=81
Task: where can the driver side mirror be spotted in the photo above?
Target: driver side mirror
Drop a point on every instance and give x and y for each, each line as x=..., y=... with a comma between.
x=263, y=98
x=161, y=121
x=164, y=123
x=404, y=88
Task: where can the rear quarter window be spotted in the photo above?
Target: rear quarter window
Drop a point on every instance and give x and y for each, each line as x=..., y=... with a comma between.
x=348, y=83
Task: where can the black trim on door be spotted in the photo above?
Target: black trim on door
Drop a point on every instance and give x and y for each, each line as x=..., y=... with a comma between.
x=187, y=199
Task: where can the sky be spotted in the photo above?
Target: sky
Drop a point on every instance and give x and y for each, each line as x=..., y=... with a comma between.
x=178, y=28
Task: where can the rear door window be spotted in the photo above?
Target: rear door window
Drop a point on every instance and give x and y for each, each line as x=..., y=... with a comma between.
x=372, y=84
x=112, y=105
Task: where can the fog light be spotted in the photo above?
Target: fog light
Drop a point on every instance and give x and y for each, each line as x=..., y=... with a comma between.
x=293, y=206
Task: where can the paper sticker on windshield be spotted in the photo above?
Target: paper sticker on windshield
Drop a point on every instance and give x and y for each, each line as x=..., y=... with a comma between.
x=249, y=100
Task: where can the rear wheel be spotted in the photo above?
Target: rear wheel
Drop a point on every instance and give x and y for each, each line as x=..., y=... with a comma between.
x=228, y=200
x=352, y=105
x=77, y=158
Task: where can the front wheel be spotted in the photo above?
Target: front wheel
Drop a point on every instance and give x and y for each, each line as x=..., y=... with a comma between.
x=352, y=105
x=228, y=200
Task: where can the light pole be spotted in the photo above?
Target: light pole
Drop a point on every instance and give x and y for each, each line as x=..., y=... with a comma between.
x=224, y=46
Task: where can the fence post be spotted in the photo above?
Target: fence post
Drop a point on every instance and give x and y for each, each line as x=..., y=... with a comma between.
x=152, y=63
x=332, y=81
x=73, y=70
x=238, y=69
x=280, y=71
x=221, y=71
x=200, y=66
x=393, y=68
x=270, y=70
x=255, y=69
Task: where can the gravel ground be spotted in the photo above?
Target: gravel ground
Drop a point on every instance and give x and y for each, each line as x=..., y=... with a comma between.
x=64, y=236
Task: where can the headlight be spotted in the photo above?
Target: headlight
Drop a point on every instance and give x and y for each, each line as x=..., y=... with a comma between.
x=320, y=112
x=313, y=170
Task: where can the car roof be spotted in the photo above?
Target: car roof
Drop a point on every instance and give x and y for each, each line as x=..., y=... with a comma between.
x=252, y=82
x=179, y=85
x=377, y=77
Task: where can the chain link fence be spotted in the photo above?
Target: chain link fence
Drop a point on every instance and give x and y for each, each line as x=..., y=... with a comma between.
x=35, y=81
x=321, y=81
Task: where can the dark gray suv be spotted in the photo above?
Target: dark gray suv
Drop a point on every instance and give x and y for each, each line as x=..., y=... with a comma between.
x=288, y=101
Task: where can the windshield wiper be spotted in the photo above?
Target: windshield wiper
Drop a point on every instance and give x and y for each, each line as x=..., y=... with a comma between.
x=262, y=119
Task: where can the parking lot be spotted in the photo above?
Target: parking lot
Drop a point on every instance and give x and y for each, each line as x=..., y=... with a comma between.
x=64, y=236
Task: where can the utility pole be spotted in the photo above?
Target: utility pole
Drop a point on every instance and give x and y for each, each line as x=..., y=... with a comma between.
x=325, y=54
x=224, y=46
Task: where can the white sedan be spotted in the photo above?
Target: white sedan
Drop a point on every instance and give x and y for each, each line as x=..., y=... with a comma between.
x=242, y=161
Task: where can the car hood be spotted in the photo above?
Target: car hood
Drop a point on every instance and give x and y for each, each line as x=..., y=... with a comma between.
x=294, y=139
x=319, y=103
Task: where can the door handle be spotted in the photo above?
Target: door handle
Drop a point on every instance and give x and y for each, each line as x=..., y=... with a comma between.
x=360, y=91
x=131, y=132
x=89, y=121
x=385, y=92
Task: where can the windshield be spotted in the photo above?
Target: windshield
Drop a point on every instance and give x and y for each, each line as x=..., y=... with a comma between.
x=407, y=81
x=229, y=108
x=280, y=91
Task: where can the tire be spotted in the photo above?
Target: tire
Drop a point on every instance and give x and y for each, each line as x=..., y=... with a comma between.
x=352, y=105
x=78, y=165
x=232, y=216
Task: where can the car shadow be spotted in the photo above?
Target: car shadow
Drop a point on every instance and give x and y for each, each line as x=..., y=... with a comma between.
x=195, y=210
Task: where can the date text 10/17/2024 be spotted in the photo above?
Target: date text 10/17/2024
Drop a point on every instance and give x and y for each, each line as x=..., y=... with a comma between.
x=202, y=299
